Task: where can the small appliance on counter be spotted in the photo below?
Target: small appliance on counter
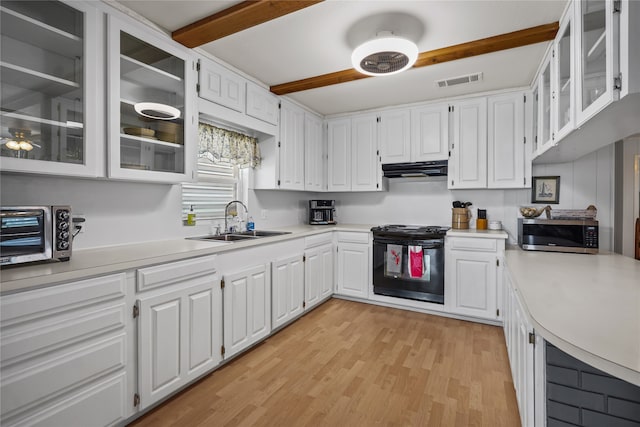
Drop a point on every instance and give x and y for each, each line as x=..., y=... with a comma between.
x=322, y=212
x=35, y=233
x=558, y=235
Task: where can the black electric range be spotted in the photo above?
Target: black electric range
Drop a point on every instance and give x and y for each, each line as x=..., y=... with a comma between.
x=408, y=262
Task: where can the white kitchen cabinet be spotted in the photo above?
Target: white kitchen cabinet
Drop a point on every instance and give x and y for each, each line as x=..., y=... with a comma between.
x=354, y=162
x=546, y=136
x=354, y=264
x=52, y=88
x=287, y=290
x=395, y=136
x=64, y=354
x=468, y=160
x=247, y=308
x=430, y=133
x=472, y=265
x=339, y=149
x=262, y=104
x=147, y=68
x=564, y=76
x=506, y=141
x=596, y=27
x=318, y=274
x=520, y=339
x=222, y=86
x=314, y=154
x=179, y=325
x=291, y=147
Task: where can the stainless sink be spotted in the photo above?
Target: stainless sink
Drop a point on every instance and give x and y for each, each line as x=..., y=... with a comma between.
x=245, y=235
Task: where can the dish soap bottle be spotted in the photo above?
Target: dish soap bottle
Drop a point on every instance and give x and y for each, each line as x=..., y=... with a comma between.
x=250, y=224
x=191, y=216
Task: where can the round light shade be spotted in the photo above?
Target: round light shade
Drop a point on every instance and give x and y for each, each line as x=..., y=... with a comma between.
x=385, y=55
x=153, y=110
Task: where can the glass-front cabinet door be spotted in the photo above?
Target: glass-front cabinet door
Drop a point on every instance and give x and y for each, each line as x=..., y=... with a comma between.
x=545, y=105
x=50, y=81
x=596, y=29
x=564, y=78
x=151, y=128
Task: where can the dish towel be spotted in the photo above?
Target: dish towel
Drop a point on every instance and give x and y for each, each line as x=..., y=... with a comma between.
x=415, y=261
x=394, y=259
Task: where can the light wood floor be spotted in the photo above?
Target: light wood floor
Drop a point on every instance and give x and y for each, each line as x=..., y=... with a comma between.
x=353, y=364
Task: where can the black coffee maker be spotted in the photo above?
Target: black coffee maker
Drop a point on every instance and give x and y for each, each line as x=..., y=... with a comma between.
x=322, y=212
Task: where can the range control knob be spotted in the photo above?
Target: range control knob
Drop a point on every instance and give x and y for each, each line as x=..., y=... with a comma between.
x=63, y=245
x=63, y=215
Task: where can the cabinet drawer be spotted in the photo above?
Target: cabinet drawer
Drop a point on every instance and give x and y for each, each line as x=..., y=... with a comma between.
x=318, y=239
x=472, y=244
x=53, y=333
x=103, y=404
x=163, y=275
x=58, y=298
x=353, y=236
x=22, y=389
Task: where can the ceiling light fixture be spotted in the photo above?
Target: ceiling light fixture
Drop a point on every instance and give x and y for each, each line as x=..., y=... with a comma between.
x=385, y=55
x=20, y=141
x=154, y=110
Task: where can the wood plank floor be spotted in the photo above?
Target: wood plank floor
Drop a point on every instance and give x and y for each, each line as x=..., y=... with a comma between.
x=354, y=364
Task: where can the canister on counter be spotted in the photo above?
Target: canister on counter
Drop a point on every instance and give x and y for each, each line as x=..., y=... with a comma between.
x=481, y=222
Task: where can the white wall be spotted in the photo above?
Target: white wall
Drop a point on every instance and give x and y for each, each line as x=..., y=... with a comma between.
x=588, y=180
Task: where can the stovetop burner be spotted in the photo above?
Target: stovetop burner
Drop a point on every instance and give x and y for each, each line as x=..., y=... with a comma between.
x=414, y=231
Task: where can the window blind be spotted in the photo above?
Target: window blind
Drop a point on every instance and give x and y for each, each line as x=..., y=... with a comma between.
x=216, y=186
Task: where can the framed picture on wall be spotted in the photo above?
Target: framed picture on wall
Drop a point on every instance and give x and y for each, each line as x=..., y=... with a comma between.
x=545, y=189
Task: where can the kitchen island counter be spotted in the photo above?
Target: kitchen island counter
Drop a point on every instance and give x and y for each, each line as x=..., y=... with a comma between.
x=100, y=261
x=586, y=305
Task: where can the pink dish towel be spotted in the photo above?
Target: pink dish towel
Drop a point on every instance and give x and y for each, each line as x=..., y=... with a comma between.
x=415, y=261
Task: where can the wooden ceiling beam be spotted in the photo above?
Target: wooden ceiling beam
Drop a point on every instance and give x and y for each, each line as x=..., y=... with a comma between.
x=540, y=33
x=235, y=19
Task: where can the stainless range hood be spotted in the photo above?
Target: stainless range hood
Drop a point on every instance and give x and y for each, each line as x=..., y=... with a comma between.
x=415, y=170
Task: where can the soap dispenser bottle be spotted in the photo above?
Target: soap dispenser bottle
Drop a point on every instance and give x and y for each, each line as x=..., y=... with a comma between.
x=191, y=216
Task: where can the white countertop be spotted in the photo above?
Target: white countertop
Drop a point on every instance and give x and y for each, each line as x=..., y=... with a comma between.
x=586, y=305
x=472, y=232
x=99, y=261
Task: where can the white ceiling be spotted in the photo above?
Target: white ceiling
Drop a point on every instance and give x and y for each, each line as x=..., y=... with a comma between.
x=320, y=38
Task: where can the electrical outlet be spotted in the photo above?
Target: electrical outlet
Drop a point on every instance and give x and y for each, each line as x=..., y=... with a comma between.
x=82, y=224
x=263, y=214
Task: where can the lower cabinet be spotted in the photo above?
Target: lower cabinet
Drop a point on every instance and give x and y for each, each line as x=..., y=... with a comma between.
x=247, y=308
x=318, y=274
x=353, y=264
x=522, y=346
x=179, y=337
x=64, y=354
x=471, y=276
x=288, y=288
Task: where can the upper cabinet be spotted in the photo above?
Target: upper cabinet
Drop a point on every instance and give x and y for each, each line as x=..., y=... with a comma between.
x=339, y=148
x=395, y=136
x=291, y=147
x=262, y=104
x=314, y=154
x=430, y=132
x=596, y=31
x=468, y=161
x=564, y=81
x=51, y=88
x=220, y=85
x=152, y=126
x=506, y=141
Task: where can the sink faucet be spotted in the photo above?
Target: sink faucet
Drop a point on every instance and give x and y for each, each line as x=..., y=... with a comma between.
x=226, y=209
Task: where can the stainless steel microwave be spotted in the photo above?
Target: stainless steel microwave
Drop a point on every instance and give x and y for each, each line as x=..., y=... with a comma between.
x=558, y=235
x=35, y=233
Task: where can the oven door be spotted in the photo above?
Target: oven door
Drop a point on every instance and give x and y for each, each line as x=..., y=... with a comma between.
x=25, y=235
x=412, y=269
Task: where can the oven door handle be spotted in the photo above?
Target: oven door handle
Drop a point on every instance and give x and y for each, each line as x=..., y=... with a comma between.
x=428, y=244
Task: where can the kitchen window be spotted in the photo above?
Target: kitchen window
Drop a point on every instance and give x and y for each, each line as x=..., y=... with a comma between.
x=222, y=153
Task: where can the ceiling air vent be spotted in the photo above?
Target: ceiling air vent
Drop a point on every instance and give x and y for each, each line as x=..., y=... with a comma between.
x=470, y=78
